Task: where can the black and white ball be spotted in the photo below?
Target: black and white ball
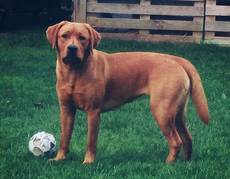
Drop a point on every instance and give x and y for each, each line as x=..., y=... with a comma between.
x=42, y=143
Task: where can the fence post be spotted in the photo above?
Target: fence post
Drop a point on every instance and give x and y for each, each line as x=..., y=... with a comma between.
x=209, y=19
x=143, y=4
x=197, y=36
x=79, y=14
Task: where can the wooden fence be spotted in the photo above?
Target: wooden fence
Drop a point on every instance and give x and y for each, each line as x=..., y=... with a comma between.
x=154, y=20
x=217, y=22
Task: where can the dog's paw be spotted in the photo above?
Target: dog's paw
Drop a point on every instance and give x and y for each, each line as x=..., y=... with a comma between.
x=87, y=162
x=57, y=159
x=60, y=156
x=89, y=158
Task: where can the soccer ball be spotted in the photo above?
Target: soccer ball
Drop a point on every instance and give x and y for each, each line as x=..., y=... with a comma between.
x=42, y=144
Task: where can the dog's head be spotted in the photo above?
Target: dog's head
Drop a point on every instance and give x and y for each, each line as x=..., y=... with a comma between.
x=73, y=41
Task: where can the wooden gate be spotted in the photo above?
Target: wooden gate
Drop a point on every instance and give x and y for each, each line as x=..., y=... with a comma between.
x=217, y=22
x=153, y=20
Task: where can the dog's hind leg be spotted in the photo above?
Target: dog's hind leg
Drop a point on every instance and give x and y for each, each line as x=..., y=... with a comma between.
x=184, y=133
x=165, y=112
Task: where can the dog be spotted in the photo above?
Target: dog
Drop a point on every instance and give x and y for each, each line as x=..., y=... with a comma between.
x=95, y=81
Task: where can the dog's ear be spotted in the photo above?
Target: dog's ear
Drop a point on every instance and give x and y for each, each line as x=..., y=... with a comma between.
x=52, y=31
x=95, y=37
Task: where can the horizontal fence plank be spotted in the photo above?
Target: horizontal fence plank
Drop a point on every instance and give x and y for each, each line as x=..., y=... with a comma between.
x=191, y=0
x=149, y=37
x=93, y=7
x=220, y=26
x=219, y=40
x=145, y=24
x=216, y=10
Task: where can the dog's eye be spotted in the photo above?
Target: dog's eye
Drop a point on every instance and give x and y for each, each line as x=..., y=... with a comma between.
x=82, y=38
x=64, y=36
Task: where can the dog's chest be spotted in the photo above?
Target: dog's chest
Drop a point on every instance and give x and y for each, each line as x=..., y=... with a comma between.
x=82, y=99
x=84, y=95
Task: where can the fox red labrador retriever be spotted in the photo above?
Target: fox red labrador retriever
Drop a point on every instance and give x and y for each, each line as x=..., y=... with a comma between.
x=95, y=81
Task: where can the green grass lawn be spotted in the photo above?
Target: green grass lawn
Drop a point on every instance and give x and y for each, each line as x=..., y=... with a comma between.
x=130, y=143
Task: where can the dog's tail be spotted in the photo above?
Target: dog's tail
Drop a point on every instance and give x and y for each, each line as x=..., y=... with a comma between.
x=197, y=90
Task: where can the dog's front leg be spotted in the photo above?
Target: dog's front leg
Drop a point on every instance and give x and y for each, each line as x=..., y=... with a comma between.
x=93, y=125
x=67, y=123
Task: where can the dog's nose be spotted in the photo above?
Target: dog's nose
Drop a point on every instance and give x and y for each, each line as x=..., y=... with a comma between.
x=72, y=48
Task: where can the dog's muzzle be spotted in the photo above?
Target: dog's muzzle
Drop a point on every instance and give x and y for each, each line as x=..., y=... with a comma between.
x=71, y=57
